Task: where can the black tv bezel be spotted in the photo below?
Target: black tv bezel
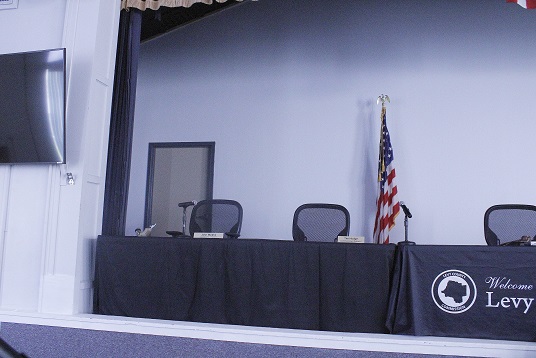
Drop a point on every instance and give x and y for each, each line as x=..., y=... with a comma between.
x=63, y=120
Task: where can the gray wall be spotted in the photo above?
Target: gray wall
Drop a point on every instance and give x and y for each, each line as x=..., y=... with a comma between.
x=287, y=90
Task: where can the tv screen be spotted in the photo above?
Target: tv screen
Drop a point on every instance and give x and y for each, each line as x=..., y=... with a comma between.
x=32, y=107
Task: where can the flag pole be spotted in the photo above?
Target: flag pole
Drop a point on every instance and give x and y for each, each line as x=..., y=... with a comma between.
x=385, y=98
x=387, y=204
x=381, y=98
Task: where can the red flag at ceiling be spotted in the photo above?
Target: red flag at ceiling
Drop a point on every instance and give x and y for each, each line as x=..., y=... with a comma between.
x=527, y=4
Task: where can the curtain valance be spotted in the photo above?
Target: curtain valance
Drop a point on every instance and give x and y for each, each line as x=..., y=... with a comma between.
x=155, y=4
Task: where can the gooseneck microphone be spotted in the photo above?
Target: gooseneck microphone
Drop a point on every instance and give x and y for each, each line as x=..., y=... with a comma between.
x=406, y=210
x=407, y=214
x=187, y=204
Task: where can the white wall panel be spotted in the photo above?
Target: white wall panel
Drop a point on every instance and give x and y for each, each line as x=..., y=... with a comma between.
x=94, y=61
x=26, y=230
x=29, y=192
x=96, y=148
x=50, y=226
x=46, y=19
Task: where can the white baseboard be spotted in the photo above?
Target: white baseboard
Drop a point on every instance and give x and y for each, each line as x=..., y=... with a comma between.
x=282, y=337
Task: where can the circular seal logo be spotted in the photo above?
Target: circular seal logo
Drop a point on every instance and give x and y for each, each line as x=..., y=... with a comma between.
x=454, y=291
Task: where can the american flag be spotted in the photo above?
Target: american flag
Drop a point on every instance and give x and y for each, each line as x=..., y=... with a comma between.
x=387, y=203
x=527, y=4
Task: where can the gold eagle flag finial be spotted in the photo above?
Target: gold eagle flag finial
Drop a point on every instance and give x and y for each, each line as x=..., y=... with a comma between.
x=383, y=98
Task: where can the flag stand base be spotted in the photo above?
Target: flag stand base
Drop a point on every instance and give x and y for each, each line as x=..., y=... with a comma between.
x=403, y=243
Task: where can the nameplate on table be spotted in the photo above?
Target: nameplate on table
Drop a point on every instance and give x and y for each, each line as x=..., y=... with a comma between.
x=208, y=235
x=351, y=239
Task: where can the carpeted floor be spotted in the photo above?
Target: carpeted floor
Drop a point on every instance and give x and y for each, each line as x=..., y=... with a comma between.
x=57, y=342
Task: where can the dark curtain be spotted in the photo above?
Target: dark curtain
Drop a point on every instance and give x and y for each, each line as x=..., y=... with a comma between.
x=122, y=123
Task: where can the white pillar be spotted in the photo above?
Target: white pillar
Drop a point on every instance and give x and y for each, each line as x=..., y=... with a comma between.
x=75, y=215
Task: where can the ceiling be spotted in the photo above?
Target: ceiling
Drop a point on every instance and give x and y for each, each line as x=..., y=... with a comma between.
x=158, y=22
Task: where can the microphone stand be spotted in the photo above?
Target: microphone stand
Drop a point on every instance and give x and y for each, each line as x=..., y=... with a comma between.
x=406, y=241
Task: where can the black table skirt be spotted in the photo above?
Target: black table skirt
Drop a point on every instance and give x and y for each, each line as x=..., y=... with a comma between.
x=464, y=291
x=267, y=283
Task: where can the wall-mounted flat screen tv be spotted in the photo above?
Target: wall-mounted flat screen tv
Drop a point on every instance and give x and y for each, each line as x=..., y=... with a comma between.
x=32, y=107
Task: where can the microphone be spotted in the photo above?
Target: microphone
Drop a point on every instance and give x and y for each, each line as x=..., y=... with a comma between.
x=187, y=204
x=405, y=208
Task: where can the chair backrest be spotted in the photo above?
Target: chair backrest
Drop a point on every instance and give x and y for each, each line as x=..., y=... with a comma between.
x=320, y=222
x=217, y=215
x=509, y=222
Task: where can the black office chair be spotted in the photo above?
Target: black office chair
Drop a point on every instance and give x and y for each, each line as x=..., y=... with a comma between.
x=320, y=222
x=217, y=216
x=506, y=223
